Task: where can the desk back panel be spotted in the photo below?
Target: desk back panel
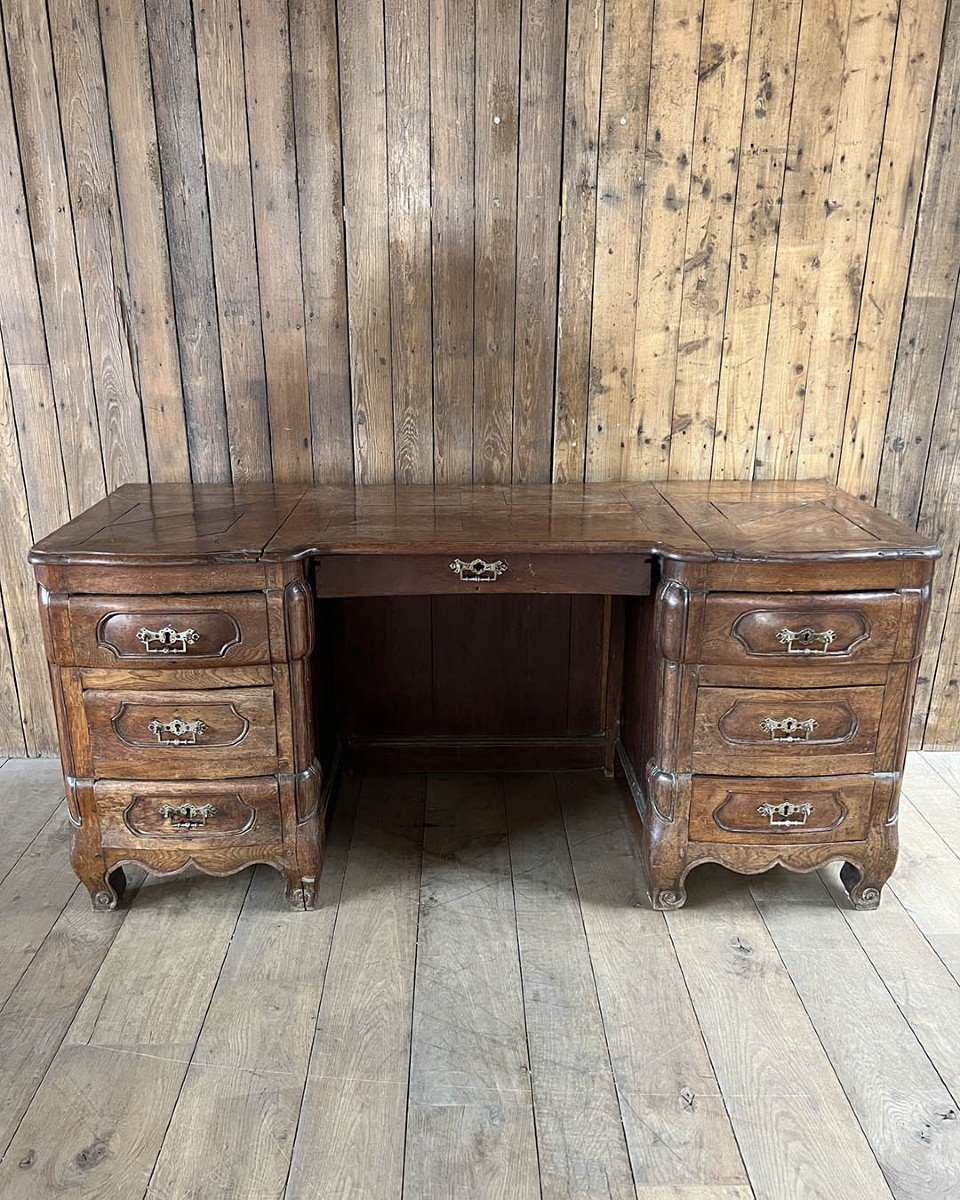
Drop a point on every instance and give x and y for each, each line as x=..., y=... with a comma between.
x=428, y=680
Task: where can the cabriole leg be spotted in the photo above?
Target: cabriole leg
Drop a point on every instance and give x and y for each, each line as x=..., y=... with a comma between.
x=106, y=888
x=300, y=891
x=863, y=887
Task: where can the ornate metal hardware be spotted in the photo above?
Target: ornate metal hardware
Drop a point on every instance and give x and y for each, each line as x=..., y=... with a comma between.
x=181, y=733
x=171, y=641
x=478, y=570
x=187, y=816
x=801, y=641
x=788, y=729
x=786, y=814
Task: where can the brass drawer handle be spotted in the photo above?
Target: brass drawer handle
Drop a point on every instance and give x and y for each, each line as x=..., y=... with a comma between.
x=171, y=641
x=786, y=814
x=478, y=570
x=181, y=733
x=801, y=641
x=788, y=729
x=187, y=816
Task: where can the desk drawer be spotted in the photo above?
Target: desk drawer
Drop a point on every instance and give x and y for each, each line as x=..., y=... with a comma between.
x=482, y=571
x=188, y=816
x=169, y=631
x=181, y=735
x=828, y=809
x=784, y=731
x=803, y=631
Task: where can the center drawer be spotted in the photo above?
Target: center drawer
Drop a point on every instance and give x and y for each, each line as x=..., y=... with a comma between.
x=215, y=734
x=785, y=731
x=486, y=571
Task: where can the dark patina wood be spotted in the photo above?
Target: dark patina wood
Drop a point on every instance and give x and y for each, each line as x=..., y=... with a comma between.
x=744, y=655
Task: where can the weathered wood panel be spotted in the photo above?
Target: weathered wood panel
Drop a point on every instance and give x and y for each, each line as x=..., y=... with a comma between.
x=437, y=241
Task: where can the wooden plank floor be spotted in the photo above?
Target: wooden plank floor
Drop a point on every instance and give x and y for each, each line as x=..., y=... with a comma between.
x=482, y=1006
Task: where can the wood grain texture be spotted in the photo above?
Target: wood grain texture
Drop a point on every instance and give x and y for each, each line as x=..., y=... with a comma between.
x=232, y=1134
x=180, y=142
x=140, y=189
x=677, y=1129
x=794, y=1126
x=350, y=1135
x=154, y=1038
x=468, y=1131
x=407, y=31
x=112, y=1011
x=267, y=71
x=255, y=240
x=219, y=51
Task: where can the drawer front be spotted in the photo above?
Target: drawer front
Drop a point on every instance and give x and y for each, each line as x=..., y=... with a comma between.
x=805, y=630
x=829, y=809
x=782, y=731
x=169, y=816
x=487, y=571
x=170, y=631
x=181, y=735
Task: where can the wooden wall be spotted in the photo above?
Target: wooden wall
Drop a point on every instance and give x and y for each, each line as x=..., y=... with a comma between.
x=450, y=240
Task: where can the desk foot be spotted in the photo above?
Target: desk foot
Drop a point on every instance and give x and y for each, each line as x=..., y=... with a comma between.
x=864, y=891
x=667, y=899
x=106, y=890
x=301, y=892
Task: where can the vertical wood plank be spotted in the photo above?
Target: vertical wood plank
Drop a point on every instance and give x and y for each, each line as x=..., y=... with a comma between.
x=823, y=35
x=351, y=1132
x=706, y=262
x=677, y=27
x=581, y=136
x=27, y=722
x=495, y=237
x=938, y=685
x=677, y=1129
x=85, y=121
x=33, y=439
x=267, y=71
x=171, y=945
x=794, y=1125
x=620, y=175
x=876, y=1055
x=909, y=107
x=930, y=303
x=407, y=25
x=151, y=316
x=30, y=58
x=538, y=201
x=469, y=1128
x=219, y=50
x=232, y=1131
x=316, y=103
x=363, y=101
x=848, y=214
x=176, y=100
x=452, y=41
x=756, y=221
x=580, y=1141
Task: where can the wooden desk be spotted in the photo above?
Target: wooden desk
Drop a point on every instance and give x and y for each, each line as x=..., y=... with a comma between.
x=758, y=649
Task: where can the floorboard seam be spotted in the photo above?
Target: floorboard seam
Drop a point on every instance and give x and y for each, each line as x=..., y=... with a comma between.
x=621, y=1100
x=323, y=984
x=413, y=985
x=196, y=1043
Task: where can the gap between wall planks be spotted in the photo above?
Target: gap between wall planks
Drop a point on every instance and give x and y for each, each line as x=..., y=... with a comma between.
x=427, y=240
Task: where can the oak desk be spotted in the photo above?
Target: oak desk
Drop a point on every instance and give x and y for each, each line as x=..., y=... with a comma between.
x=759, y=651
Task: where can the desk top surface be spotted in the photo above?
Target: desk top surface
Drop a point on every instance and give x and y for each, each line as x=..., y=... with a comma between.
x=769, y=521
